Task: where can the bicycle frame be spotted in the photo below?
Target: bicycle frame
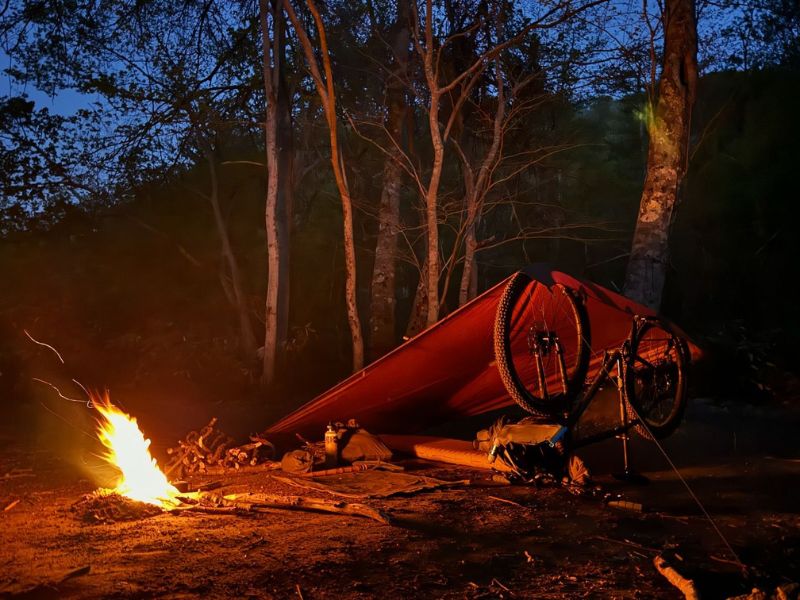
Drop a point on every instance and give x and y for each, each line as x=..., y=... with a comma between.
x=614, y=369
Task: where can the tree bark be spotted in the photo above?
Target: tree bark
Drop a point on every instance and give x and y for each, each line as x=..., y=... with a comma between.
x=465, y=288
x=431, y=198
x=270, y=66
x=285, y=201
x=419, y=309
x=382, y=300
x=669, y=129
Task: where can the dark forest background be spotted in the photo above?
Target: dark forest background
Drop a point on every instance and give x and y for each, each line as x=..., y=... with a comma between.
x=121, y=269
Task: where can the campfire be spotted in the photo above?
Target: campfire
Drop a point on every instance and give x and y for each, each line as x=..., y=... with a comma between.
x=143, y=489
x=129, y=451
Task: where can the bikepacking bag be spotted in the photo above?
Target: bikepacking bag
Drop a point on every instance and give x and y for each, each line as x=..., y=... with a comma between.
x=533, y=450
x=356, y=444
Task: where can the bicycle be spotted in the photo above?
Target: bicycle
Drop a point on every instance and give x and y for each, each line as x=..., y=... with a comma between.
x=648, y=368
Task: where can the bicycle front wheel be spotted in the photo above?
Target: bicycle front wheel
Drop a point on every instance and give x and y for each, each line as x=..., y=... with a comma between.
x=541, y=345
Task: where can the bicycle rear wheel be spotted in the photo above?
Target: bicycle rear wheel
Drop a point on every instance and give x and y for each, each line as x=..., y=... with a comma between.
x=541, y=348
x=656, y=380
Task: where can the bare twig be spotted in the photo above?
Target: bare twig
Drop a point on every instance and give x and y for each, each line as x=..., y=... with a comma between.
x=272, y=501
x=35, y=341
x=628, y=543
x=507, y=501
x=11, y=505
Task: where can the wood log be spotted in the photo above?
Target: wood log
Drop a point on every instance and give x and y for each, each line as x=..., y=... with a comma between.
x=211, y=510
x=686, y=586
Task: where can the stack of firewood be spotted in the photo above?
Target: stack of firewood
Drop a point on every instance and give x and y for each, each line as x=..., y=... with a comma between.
x=210, y=447
x=257, y=451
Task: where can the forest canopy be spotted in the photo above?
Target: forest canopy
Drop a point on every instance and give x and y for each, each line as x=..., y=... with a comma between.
x=193, y=191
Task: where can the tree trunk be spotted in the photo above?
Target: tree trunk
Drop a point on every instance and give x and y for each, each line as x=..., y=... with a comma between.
x=468, y=273
x=473, y=282
x=431, y=214
x=470, y=236
x=669, y=129
x=327, y=96
x=248, y=338
x=476, y=190
x=285, y=201
x=419, y=309
x=382, y=301
x=431, y=70
x=270, y=212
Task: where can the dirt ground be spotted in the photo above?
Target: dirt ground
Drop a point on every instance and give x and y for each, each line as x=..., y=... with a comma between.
x=462, y=542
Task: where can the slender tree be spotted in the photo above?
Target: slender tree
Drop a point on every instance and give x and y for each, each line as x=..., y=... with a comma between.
x=453, y=90
x=271, y=73
x=668, y=126
x=325, y=90
x=237, y=296
x=382, y=297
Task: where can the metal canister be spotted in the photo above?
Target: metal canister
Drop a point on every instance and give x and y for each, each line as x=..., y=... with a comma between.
x=331, y=447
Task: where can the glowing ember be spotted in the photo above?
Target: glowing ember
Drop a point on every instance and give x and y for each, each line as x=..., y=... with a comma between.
x=129, y=451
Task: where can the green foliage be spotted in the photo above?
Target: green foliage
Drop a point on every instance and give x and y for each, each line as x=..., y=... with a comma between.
x=45, y=164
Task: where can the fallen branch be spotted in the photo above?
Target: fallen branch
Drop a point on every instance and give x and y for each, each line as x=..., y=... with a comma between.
x=265, y=466
x=336, y=471
x=686, y=586
x=507, y=501
x=210, y=510
x=271, y=501
x=356, y=467
x=628, y=543
x=79, y=572
x=625, y=505
x=16, y=473
x=11, y=505
x=301, y=483
x=496, y=582
x=679, y=518
x=728, y=561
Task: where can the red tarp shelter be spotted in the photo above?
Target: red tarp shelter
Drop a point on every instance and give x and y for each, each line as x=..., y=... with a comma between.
x=449, y=371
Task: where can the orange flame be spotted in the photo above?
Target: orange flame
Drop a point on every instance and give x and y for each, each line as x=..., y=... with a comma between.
x=129, y=451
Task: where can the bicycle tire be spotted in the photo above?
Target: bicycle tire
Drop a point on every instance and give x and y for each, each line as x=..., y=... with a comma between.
x=533, y=403
x=656, y=377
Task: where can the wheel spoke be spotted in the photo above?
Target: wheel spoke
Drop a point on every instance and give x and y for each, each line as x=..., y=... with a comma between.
x=550, y=322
